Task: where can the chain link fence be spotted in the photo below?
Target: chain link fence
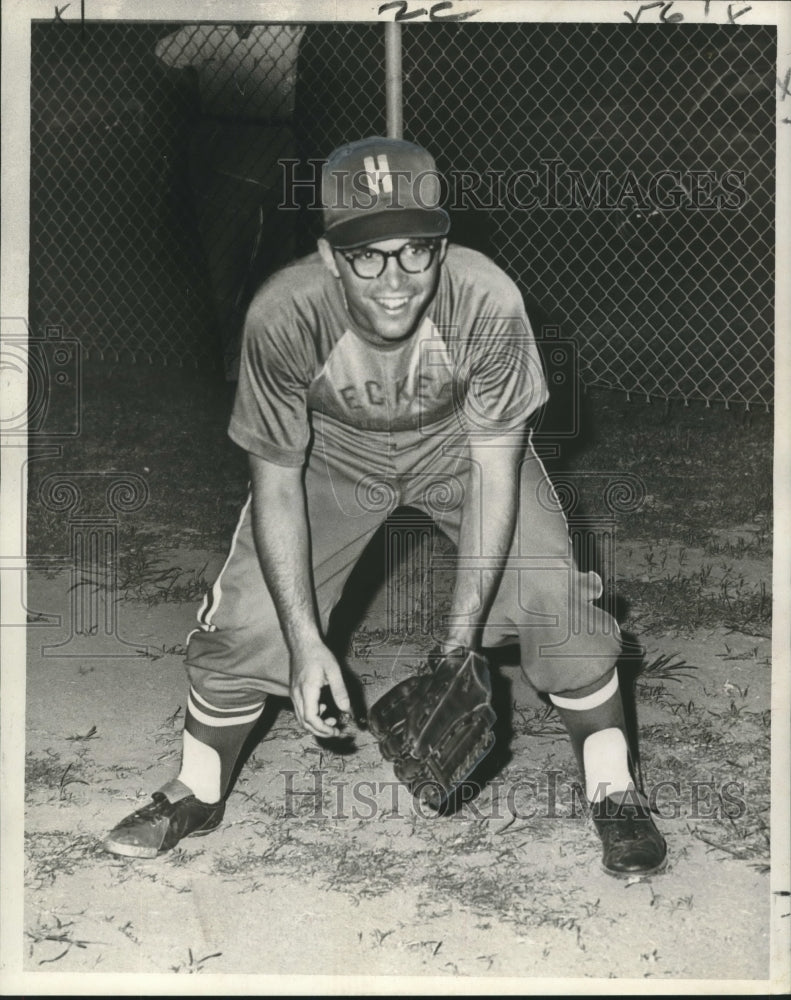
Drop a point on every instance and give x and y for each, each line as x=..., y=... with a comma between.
x=668, y=286
x=155, y=182
x=623, y=176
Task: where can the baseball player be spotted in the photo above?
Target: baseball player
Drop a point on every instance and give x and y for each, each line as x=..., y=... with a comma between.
x=389, y=369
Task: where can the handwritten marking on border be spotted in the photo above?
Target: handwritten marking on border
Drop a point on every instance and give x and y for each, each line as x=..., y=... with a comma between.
x=666, y=17
x=403, y=13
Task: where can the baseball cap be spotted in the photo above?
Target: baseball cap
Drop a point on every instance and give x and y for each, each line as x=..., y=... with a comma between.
x=378, y=189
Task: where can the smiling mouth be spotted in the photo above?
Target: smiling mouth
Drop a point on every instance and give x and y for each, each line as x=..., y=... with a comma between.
x=394, y=305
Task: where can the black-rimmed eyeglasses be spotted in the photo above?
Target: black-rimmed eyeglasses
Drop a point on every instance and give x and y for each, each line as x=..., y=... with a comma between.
x=412, y=258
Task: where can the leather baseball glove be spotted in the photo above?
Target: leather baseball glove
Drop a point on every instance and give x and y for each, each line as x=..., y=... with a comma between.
x=436, y=727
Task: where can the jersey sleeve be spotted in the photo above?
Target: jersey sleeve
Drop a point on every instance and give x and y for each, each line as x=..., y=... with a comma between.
x=501, y=369
x=270, y=413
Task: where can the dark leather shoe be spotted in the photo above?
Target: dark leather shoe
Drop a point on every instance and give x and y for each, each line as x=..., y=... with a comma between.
x=173, y=813
x=632, y=844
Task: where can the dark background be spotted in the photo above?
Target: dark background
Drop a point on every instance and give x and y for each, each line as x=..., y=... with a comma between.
x=154, y=187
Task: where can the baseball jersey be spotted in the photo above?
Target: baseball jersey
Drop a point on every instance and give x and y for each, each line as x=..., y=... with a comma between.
x=472, y=360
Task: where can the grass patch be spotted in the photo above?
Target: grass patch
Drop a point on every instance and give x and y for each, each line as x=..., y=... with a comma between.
x=194, y=964
x=144, y=576
x=681, y=605
x=690, y=460
x=55, y=853
x=45, y=770
x=58, y=932
x=667, y=668
x=720, y=760
x=49, y=772
x=168, y=425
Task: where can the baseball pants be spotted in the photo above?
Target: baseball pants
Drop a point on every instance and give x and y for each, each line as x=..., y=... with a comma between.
x=353, y=480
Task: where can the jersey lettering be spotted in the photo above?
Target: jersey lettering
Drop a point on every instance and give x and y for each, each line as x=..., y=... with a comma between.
x=403, y=392
x=350, y=397
x=374, y=392
x=422, y=387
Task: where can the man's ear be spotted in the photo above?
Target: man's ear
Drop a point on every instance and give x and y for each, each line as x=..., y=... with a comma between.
x=326, y=254
x=443, y=249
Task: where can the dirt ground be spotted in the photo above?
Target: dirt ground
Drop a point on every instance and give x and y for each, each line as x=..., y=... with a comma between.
x=324, y=866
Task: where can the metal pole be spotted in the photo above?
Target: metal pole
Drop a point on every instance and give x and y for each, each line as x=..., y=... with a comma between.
x=393, y=82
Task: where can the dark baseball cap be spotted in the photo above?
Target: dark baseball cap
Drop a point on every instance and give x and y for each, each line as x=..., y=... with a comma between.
x=379, y=189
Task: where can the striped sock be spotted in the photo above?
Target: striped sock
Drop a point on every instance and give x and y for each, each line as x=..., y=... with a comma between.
x=595, y=722
x=213, y=738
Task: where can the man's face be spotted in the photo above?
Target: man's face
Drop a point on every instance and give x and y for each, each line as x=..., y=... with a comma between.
x=386, y=309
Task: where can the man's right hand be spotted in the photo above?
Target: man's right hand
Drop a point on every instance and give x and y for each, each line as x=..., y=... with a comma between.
x=311, y=670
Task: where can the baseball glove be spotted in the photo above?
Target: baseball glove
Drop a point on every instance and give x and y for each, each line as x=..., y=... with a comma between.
x=436, y=727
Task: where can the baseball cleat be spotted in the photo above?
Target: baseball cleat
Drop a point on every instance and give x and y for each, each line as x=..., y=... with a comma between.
x=173, y=813
x=632, y=844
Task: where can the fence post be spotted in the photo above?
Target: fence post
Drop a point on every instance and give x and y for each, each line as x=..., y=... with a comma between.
x=393, y=82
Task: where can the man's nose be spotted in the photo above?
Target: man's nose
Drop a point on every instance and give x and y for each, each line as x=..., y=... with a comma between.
x=393, y=275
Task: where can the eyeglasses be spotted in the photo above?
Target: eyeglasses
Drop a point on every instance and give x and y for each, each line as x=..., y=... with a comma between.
x=412, y=258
